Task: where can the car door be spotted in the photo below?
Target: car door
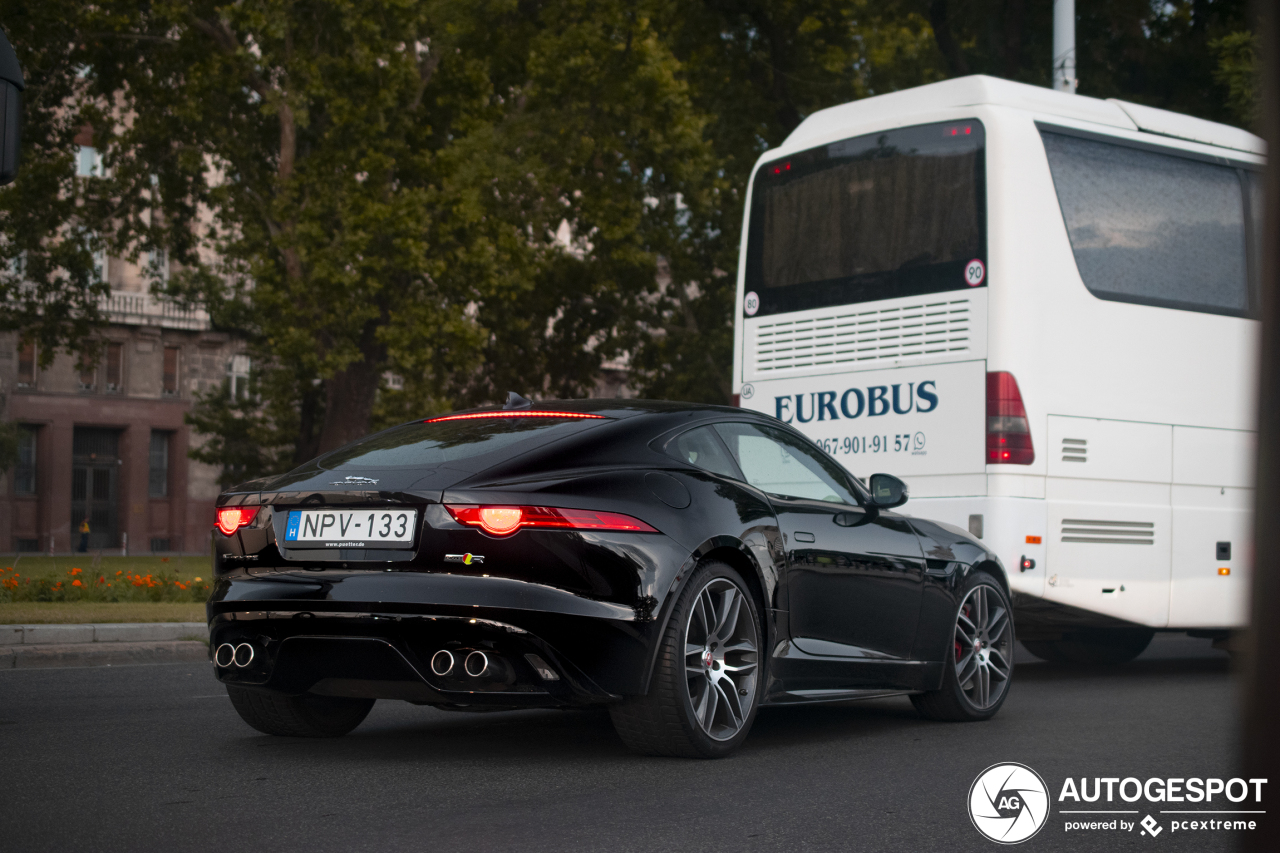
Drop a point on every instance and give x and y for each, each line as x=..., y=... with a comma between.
x=854, y=577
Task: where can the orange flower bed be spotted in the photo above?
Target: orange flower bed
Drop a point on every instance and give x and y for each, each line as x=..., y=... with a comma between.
x=125, y=585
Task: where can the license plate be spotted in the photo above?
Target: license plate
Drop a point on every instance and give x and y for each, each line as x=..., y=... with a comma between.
x=346, y=528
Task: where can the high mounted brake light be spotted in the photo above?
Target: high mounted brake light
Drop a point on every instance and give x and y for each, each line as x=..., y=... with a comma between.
x=539, y=414
x=505, y=520
x=232, y=518
x=1008, y=432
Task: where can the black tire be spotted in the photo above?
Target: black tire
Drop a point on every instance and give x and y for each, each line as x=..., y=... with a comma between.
x=1094, y=646
x=298, y=716
x=665, y=721
x=962, y=701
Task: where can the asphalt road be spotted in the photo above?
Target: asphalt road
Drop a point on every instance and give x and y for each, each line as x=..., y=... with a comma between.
x=155, y=758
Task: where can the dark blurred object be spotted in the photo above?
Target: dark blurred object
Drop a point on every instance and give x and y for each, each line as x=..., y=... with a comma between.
x=1261, y=747
x=11, y=86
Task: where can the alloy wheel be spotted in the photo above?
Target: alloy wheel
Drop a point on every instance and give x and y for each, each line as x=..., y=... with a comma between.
x=721, y=651
x=983, y=647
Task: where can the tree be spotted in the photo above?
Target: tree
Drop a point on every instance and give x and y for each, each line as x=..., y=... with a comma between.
x=298, y=145
x=755, y=71
x=55, y=223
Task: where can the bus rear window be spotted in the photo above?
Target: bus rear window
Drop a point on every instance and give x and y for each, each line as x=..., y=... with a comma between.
x=1154, y=228
x=899, y=213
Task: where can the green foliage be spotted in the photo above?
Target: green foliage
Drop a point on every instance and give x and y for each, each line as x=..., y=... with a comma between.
x=1238, y=70
x=52, y=221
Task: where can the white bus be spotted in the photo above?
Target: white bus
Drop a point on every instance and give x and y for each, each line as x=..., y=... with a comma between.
x=1038, y=309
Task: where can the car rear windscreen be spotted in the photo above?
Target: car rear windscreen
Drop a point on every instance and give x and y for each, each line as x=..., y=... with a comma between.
x=423, y=445
x=899, y=213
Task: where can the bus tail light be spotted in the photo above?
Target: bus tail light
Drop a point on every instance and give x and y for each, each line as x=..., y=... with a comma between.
x=1008, y=432
x=505, y=520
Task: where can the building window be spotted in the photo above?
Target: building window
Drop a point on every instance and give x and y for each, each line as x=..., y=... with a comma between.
x=159, y=546
x=27, y=366
x=115, y=368
x=158, y=264
x=24, y=472
x=88, y=372
x=89, y=162
x=171, y=371
x=238, y=376
x=158, y=478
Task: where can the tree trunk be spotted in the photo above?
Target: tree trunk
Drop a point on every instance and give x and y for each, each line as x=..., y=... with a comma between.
x=348, y=409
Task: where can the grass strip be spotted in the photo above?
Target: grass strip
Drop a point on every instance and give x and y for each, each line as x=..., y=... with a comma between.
x=95, y=612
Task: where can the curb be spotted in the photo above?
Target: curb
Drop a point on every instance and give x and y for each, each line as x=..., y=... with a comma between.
x=52, y=655
x=117, y=632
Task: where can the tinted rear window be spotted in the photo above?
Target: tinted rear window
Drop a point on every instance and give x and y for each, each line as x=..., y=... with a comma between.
x=429, y=444
x=889, y=214
x=1154, y=228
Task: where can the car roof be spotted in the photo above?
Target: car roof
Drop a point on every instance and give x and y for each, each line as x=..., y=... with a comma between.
x=612, y=407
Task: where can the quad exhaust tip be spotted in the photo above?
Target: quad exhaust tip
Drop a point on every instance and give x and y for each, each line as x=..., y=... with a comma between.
x=478, y=665
x=228, y=655
x=442, y=662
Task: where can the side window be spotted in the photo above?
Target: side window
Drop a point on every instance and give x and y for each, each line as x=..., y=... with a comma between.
x=1152, y=228
x=700, y=447
x=778, y=463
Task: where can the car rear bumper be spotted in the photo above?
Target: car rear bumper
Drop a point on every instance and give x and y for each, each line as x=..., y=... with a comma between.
x=374, y=634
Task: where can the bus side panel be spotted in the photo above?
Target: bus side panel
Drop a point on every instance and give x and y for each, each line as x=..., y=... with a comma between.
x=1109, y=548
x=1212, y=510
x=1109, y=517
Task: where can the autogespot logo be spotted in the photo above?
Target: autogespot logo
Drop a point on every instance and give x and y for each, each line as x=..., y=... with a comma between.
x=1008, y=803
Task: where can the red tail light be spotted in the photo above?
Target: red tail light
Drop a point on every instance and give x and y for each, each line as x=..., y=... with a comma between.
x=1008, y=432
x=505, y=520
x=232, y=518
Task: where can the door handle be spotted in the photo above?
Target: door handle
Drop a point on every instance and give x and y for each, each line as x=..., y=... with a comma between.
x=802, y=536
x=851, y=519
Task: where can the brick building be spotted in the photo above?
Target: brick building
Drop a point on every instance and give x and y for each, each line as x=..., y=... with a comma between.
x=106, y=440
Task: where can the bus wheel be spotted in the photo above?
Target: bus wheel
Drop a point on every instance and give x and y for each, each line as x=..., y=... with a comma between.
x=1093, y=646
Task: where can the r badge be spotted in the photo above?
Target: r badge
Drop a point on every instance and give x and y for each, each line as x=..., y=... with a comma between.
x=465, y=559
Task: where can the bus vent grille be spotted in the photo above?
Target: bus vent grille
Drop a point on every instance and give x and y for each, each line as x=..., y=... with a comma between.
x=1108, y=532
x=1074, y=450
x=851, y=336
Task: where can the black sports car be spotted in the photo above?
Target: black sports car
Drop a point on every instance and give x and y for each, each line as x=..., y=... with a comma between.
x=681, y=564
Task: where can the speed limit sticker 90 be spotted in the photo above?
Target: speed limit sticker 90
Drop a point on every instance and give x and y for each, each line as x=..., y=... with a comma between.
x=975, y=272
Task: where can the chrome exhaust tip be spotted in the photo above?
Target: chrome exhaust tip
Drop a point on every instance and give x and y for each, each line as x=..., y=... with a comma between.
x=243, y=655
x=478, y=665
x=442, y=662
x=224, y=655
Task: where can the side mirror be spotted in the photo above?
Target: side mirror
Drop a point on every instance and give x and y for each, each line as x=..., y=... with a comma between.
x=887, y=491
x=11, y=86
